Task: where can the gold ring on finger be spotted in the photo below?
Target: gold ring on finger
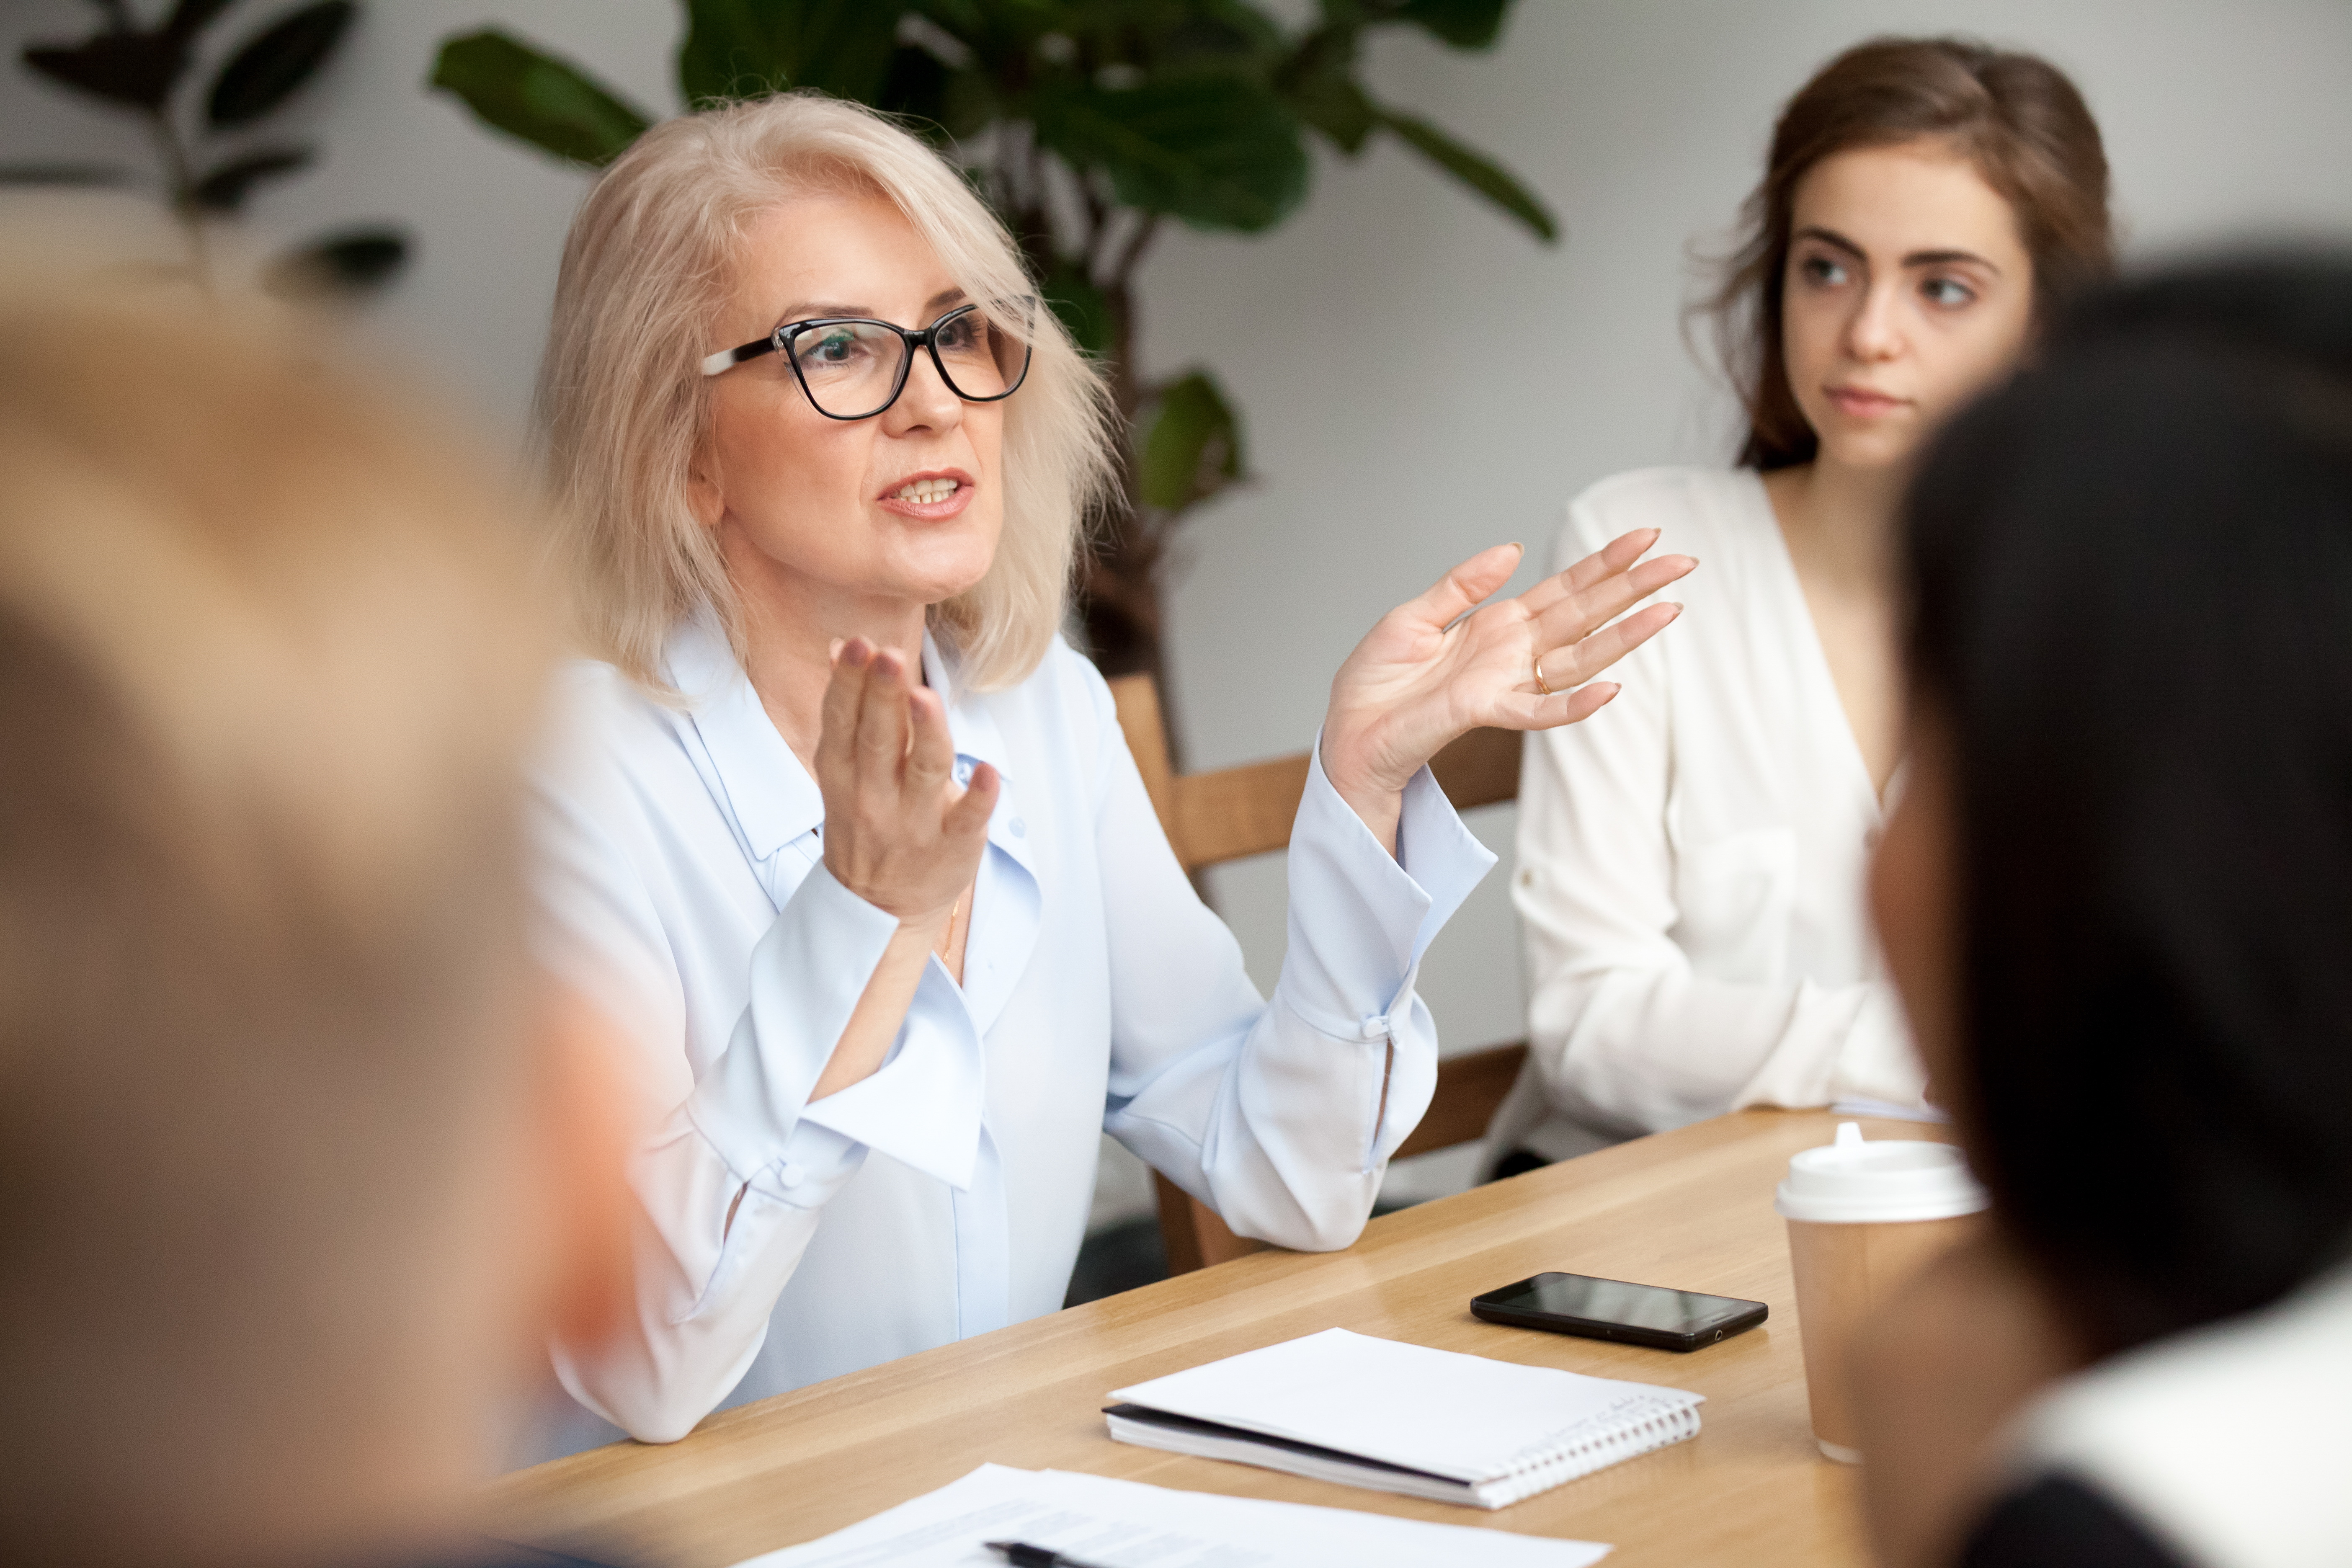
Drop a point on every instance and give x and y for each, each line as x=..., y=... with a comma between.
x=1541, y=684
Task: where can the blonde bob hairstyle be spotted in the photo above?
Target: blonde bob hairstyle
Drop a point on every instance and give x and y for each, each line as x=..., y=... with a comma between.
x=621, y=404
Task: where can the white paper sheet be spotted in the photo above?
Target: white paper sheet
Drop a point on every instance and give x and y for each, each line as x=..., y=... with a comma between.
x=1125, y=1524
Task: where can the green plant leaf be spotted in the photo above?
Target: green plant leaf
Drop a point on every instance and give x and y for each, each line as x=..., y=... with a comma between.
x=1190, y=34
x=137, y=70
x=738, y=48
x=1193, y=448
x=1464, y=24
x=1481, y=173
x=353, y=262
x=190, y=17
x=536, y=98
x=1219, y=151
x=70, y=174
x=1319, y=79
x=917, y=86
x=1084, y=308
x=966, y=18
x=272, y=65
x=225, y=188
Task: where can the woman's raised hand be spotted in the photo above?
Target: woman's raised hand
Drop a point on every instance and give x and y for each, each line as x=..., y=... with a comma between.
x=1443, y=665
x=898, y=832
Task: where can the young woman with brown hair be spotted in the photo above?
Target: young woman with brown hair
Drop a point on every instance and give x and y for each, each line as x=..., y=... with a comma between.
x=1690, y=867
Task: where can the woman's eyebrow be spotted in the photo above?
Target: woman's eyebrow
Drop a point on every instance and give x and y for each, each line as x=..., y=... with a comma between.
x=818, y=309
x=1947, y=259
x=813, y=309
x=1831, y=237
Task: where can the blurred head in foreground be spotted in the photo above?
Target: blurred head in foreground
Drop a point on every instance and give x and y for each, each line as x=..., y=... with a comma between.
x=297, y=1160
x=2118, y=897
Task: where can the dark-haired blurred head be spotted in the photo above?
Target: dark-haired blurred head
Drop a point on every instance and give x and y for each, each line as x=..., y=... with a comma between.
x=2119, y=895
x=276, y=1227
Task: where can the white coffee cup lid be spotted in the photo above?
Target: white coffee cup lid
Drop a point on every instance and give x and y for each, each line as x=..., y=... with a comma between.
x=1856, y=1182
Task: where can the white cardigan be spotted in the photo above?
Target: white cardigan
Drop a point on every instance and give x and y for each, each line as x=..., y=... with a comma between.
x=1691, y=858
x=2227, y=1442
x=946, y=1195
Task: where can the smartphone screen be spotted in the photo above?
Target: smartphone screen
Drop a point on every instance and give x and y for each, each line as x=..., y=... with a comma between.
x=1653, y=1314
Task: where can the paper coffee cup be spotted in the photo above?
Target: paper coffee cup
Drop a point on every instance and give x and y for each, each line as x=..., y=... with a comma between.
x=1862, y=1217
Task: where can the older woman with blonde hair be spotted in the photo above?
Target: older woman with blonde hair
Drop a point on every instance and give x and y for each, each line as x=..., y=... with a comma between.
x=846, y=839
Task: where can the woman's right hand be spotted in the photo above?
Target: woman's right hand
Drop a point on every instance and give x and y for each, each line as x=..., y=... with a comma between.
x=898, y=832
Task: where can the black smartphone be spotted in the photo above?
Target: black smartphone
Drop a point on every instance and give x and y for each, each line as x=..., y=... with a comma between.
x=1615, y=1310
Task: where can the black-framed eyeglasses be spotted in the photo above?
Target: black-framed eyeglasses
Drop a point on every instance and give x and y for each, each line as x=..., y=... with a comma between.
x=854, y=368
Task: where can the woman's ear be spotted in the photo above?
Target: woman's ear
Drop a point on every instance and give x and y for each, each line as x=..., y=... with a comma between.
x=704, y=496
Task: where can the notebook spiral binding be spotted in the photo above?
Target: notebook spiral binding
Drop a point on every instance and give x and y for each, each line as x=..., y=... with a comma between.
x=1636, y=1427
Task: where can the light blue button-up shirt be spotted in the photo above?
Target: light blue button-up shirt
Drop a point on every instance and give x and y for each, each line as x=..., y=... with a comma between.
x=685, y=887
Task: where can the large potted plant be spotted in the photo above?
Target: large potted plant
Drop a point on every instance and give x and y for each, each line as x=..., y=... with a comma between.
x=214, y=148
x=1088, y=125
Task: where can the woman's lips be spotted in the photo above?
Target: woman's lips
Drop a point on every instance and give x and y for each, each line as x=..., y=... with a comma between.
x=931, y=497
x=1857, y=403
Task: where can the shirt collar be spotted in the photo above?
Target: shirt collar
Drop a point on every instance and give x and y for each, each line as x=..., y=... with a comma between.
x=774, y=798
x=970, y=723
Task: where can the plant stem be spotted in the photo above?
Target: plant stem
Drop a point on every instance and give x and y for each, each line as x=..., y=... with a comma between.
x=183, y=181
x=1131, y=258
x=1008, y=199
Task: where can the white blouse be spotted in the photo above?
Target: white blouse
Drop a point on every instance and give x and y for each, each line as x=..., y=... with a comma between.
x=947, y=1194
x=1691, y=858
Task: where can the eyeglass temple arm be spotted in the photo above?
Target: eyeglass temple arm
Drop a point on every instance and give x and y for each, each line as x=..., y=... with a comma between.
x=727, y=359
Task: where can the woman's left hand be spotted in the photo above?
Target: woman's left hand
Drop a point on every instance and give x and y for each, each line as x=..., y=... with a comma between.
x=1442, y=664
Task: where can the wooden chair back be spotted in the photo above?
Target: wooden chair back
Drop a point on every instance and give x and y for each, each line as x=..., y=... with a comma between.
x=1234, y=812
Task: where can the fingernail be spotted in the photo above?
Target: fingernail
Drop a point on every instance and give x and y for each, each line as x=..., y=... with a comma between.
x=1676, y=605
x=833, y=649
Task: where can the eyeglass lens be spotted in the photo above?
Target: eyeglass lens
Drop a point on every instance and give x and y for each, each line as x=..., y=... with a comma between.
x=853, y=369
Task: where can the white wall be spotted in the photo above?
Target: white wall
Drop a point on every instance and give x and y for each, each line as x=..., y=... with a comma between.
x=1420, y=379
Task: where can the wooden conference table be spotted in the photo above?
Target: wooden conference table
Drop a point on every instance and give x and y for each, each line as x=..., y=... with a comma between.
x=1691, y=1208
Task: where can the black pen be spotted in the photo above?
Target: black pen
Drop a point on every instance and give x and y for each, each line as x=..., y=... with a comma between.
x=1021, y=1554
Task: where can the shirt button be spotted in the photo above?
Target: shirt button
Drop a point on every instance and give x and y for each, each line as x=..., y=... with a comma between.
x=962, y=772
x=1020, y=828
x=1376, y=1027
x=790, y=1174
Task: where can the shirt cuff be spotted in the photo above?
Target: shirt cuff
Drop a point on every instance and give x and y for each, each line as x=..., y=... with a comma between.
x=1360, y=918
x=923, y=1106
x=815, y=1162
x=807, y=974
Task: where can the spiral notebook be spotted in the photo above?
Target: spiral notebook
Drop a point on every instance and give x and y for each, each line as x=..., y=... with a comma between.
x=1365, y=1412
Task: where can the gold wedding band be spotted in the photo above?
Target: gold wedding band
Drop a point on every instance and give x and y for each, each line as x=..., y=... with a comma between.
x=1540, y=680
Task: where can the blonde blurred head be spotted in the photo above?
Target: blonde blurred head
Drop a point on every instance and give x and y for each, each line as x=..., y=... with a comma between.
x=268, y=669
x=622, y=404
